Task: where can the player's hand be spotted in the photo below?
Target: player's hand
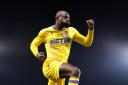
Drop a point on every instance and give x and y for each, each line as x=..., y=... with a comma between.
x=90, y=24
x=41, y=56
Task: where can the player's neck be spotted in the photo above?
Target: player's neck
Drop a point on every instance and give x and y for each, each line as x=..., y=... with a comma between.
x=57, y=27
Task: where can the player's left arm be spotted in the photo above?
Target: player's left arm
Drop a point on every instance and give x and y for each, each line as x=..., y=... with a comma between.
x=88, y=39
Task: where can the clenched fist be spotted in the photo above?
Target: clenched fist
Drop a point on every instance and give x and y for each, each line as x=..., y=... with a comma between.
x=41, y=56
x=90, y=24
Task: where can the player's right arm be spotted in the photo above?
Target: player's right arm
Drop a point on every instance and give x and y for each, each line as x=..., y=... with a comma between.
x=35, y=44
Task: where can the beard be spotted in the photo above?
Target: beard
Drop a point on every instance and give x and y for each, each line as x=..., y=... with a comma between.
x=64, y=24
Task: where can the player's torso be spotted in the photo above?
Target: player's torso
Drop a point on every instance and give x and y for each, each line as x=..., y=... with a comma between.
x=58, y=43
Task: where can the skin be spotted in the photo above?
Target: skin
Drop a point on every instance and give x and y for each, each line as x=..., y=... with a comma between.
x=63, y=20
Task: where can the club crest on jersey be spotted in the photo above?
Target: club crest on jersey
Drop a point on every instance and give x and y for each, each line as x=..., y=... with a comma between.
x=60, y=40
x=65, y=33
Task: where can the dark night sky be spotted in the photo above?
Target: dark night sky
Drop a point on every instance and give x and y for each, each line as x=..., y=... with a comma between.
x=105, y=63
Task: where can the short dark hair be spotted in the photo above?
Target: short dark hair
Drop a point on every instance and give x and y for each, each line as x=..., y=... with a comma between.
x=61, y=11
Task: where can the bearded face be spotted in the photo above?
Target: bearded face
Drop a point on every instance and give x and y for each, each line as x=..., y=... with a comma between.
x=63, y=19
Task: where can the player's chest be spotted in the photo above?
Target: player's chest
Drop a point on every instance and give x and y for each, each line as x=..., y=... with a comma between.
x=61, y=37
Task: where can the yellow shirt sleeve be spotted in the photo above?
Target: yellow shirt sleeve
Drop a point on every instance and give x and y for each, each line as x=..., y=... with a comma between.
x=84, y=40
x=37, y=41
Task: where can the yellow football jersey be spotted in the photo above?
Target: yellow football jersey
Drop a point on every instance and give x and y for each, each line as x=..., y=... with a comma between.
x=58, y=43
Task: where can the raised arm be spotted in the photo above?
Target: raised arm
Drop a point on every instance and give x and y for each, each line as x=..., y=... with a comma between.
x=88, y=39
x=35, y=44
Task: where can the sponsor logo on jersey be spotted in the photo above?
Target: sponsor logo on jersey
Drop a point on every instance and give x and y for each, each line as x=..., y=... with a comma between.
x=60, y=40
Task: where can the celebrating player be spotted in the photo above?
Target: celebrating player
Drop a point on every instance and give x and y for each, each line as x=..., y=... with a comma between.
x=57, y=40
